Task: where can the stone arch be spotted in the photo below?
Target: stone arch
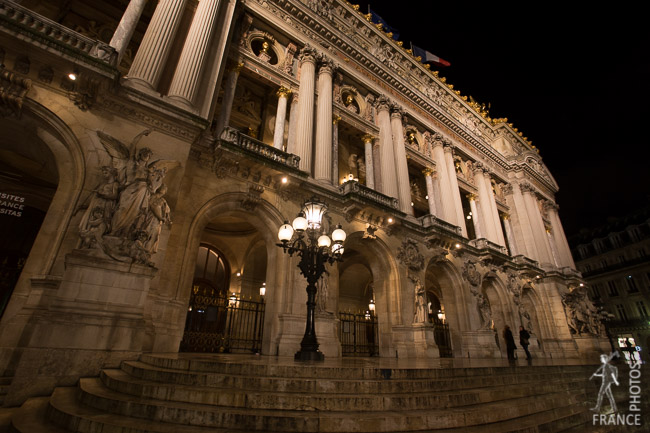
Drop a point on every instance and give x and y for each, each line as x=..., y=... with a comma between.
x=532, y=303
x=267, y=219
x=444, y=280
x=58, y=136
x=494, y=289
x=383, y=268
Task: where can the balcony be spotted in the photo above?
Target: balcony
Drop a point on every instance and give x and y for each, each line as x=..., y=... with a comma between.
x=54, y=37
x=361, y=193
x=241, y=143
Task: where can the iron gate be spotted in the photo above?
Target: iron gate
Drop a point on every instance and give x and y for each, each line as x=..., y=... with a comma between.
x=358, y=334
x=220, y=324
x=442, y=338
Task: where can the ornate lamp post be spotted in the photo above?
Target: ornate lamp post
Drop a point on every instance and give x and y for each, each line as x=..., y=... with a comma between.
x=305, y=238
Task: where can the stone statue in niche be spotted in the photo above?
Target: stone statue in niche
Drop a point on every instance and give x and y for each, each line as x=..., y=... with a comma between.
x=351, y=104
x=322, y=293
x=353, y=165
x=368, y=113
x=420, y=315
x=127, y=211
x=485, y=311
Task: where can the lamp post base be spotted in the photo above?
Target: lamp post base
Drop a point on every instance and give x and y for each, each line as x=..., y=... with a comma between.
x=303, y=355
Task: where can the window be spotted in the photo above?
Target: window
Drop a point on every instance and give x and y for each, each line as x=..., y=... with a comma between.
x=621, y=312
x=603, y=263
x=595, y=292
x=587, y=268
x=621, y=259
x=641, y=252
x=641, y=307
x=613, y=290
x=631, y=284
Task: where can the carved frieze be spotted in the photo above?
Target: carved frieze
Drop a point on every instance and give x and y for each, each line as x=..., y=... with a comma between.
x=13, y=90
x=409, y=255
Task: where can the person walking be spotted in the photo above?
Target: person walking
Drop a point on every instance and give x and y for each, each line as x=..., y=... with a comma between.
x=510, y=343
x=524, y=338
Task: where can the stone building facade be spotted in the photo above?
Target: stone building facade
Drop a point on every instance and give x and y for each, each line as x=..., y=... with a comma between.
x=614, y=260
x=149, y=140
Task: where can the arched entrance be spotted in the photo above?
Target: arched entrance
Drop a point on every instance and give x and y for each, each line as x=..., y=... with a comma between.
x=28, y=182
x=498, y=311
x=358, y=331
x=226, y=308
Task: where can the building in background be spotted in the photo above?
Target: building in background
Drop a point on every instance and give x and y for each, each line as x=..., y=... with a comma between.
x=151, y=151
x=614, y=260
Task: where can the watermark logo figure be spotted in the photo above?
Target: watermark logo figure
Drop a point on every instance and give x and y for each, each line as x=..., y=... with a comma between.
x=609, y=374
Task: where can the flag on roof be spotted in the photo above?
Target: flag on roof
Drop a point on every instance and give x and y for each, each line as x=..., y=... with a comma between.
x=379, y=20
x=428, y=57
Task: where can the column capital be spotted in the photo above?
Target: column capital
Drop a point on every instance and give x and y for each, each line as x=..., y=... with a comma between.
x=382, y=103
x=506, y=188
x=336, y=119
x=505, y=216
x=283, y=92
x=236, y=67
x=396, y=111
x=448, y=146
x=367, y=138
x=428, y=171
x=308, y=54
x=549, y=205
x=471, y=196
x=326, y=66
x=526, y=187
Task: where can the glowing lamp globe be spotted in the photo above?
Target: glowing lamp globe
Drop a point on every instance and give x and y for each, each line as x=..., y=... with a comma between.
x=300, y=223
x=338, y=235
x=286, y=232
x=314, y=211
x=324, y=241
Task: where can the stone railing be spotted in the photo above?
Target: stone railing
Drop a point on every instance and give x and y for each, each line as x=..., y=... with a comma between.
x=256, y=147
x=525, y=261
x=369, y=194
x=52, y=34
x=484, y=244
x=432, y=221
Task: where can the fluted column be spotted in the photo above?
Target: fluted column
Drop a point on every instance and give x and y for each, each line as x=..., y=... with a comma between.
x=293, y=119
x=475, y=220
x=335, y=149
x=566, y=259
x=156, y=43
x=305, y=109
x=447, y=212
x=521, y=224
x=228, y=97
x=551, y=243
x=401, y=164
x=453, y=183
x=485, y=215
x=431, y=195
x=494, y=210
x=124, y=31
x=370, y=167
x=544, y=254
x=280, y=117
x=387, y=159
x=509, y=235
x=188, y=71
x=323, y=161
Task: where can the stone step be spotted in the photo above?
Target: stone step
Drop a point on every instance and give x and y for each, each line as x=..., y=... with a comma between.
x=285, y=367
x=338, y=385
x=31, y=418
x=266, y=398
x=304, y=420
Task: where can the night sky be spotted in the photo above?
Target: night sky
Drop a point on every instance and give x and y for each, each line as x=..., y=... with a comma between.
x=575, y=83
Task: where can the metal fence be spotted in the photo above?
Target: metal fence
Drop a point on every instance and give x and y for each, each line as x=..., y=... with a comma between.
x=221, y=324
x=358, y=334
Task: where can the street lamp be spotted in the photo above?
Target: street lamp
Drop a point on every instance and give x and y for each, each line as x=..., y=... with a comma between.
x=305, y=238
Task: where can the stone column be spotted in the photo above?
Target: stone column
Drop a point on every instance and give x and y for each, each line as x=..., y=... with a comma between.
x=293, y=119
x=544, y=255
x=431, y=198
x=335, y=149
x=447, y=211
x=453, y=183
x=387, y=158
x=551, y=243
x=401, y=164
x=566, y=259
x=124, y=31
x=323, y=157
x=520, y=221
x=509, y=235
x=154, y=49
x=475, y=219
x=370, y=170
x=493, y=209
x=228, y=96
x=302, y=146
x=280, y=117
x=188, y=71
x=485, y=215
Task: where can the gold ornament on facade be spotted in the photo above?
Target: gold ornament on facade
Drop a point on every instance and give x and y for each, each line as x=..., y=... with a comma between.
x=367, y=138
x=471, y=196
x=336, y=119
x=428, y=171
x=283, y=92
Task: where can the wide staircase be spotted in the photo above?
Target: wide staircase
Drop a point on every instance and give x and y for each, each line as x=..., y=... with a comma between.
x=199, y=393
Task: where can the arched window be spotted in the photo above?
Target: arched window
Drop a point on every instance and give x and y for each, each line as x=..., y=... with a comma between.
x=212, y=271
